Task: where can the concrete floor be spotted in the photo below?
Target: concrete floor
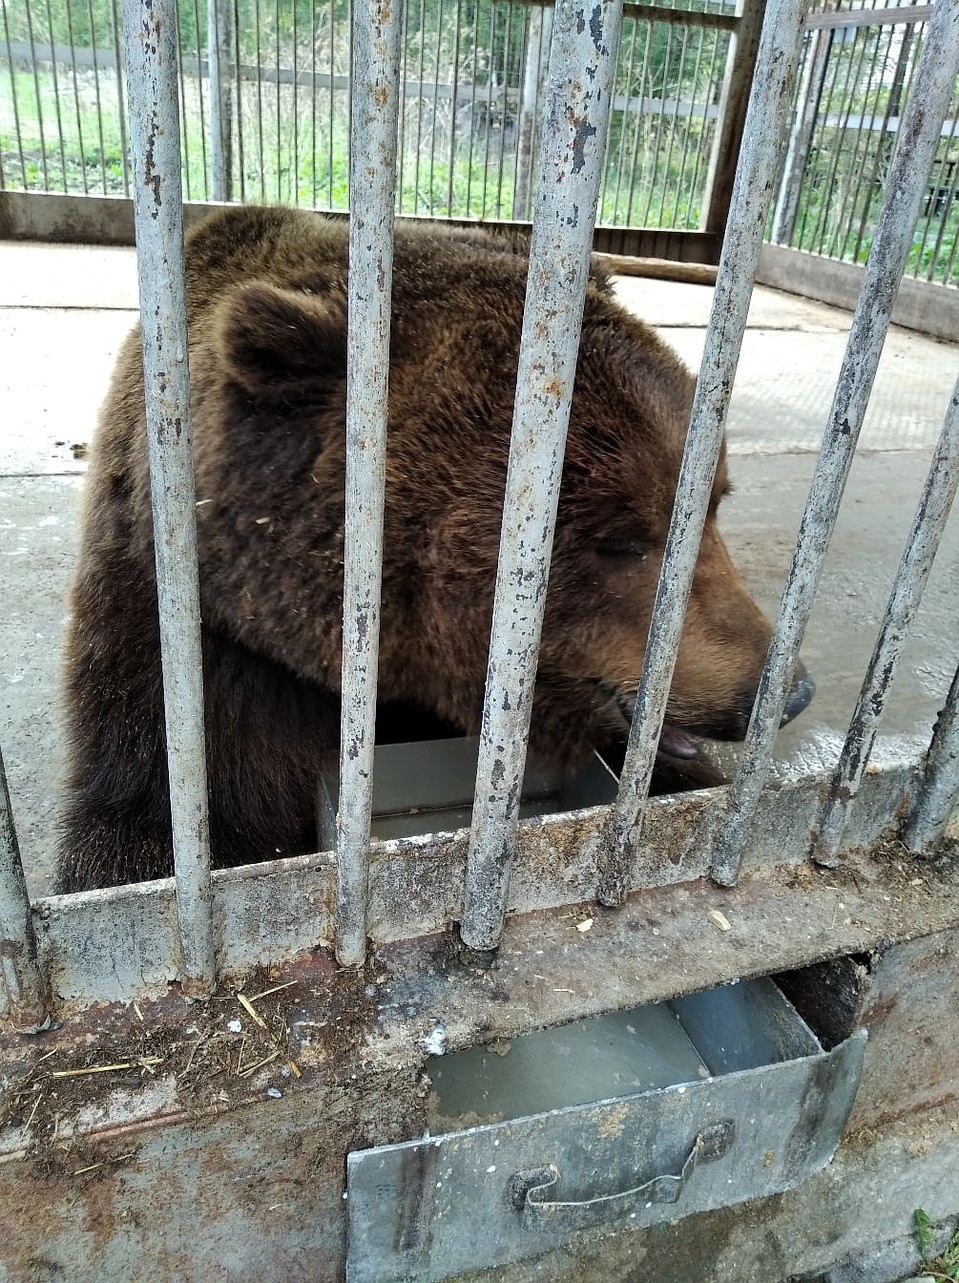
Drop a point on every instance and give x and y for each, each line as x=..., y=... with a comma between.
x=64, y=311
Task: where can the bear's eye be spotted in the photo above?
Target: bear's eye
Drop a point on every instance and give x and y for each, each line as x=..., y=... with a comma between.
x=622, y=549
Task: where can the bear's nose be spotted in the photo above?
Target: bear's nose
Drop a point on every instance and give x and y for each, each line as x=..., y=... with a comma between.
x=802, y=691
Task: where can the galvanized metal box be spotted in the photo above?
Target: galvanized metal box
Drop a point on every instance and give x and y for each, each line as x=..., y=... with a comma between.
x=613, y=1122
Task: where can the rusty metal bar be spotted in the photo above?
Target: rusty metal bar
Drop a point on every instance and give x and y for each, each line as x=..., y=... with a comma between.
x=928, y=524
x=766, y=122
x=582, y=68
x=221, y=55
x=374, y=110
x=150, y=65
x=22, y=989
x=938, y=797
x=906, y=186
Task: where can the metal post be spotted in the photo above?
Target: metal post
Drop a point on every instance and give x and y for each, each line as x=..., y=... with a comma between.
x=939, y=791
x=582, y=66
x=918, y=139
x=150, y=65
x=22, y=989
x=221, y=60
x=741, y=73
x=920, y=551
x=373, y=125
x=765, y=124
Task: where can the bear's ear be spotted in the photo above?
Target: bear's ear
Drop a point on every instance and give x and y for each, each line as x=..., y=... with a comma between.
x=271, y=339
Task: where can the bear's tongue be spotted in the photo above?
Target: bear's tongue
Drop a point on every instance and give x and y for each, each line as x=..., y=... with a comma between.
x=678, y=743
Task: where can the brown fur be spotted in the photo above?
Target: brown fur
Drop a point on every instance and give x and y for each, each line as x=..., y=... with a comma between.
x=266, y=295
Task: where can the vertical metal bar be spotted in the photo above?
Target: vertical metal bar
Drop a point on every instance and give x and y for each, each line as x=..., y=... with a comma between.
x=526, y=124
x=150, y=65
x=950, y=196
x=36, y=93
x=221, y=35
x=14, y=102
x=660, y=116
x=582, y=69
x=703, y=147
x=454, y=103
x=928, y=524
x=421, y=34
x=686, y=192
x=76, y=98
x=739, y=76
x=472, y=64
x=765, y=125
x=668, y=182
x=295, y=130
x=121, y=110
x=56, y=99
x=490, y=77
x=861, y=135
x=436, y=90
x=279, y=103
x=797, y=152
x=313, y=101
x=185, y=112
x=938, y=797
x=885, y=141
x=642, y=93
x=259, y=97
x=918, y=138
x=627, y=115
x=201, y=122
x=22, y=991
x=332, y=101
x=238, y=82
x=374, y=80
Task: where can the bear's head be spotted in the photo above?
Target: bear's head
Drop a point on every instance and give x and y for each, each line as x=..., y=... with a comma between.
x=452, y=378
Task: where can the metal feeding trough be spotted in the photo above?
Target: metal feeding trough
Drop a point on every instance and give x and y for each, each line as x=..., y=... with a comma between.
x=616, y=1121
x=427, y=787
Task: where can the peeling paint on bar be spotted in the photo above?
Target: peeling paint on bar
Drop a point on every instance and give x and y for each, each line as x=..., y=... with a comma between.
x=905, y=185
x=375, y=78
x=577, y=113
x=21, y=983
x=938, y=797
x=766, y=123
x=925, y=533
x=150, y=64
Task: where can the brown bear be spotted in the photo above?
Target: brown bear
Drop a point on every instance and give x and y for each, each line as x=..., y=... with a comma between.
x=266, y=294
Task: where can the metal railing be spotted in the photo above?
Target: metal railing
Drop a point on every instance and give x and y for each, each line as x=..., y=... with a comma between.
x=858, y=73
x=265, y=101
x=609, y=845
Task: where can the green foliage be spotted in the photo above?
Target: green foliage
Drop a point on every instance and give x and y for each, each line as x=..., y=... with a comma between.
x=945, y=1267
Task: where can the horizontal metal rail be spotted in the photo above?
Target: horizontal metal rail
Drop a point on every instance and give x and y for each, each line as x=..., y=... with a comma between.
x=766, y=121
x=582, y=66
x=938, y=798
x=922, y=544
x=374, y=109
x=150, y=64
x=870, y=17
x=893, y=239
x=22, y=991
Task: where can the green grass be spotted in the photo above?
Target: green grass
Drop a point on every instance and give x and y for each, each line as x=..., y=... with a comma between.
x=944, y=1267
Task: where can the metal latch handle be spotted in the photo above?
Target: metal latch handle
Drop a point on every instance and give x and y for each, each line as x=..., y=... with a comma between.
x=527, y=1190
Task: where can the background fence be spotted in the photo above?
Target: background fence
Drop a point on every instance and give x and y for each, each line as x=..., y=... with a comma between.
x=472, y=77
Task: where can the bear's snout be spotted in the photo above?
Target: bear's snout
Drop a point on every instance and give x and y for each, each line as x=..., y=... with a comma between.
x=801, y=692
